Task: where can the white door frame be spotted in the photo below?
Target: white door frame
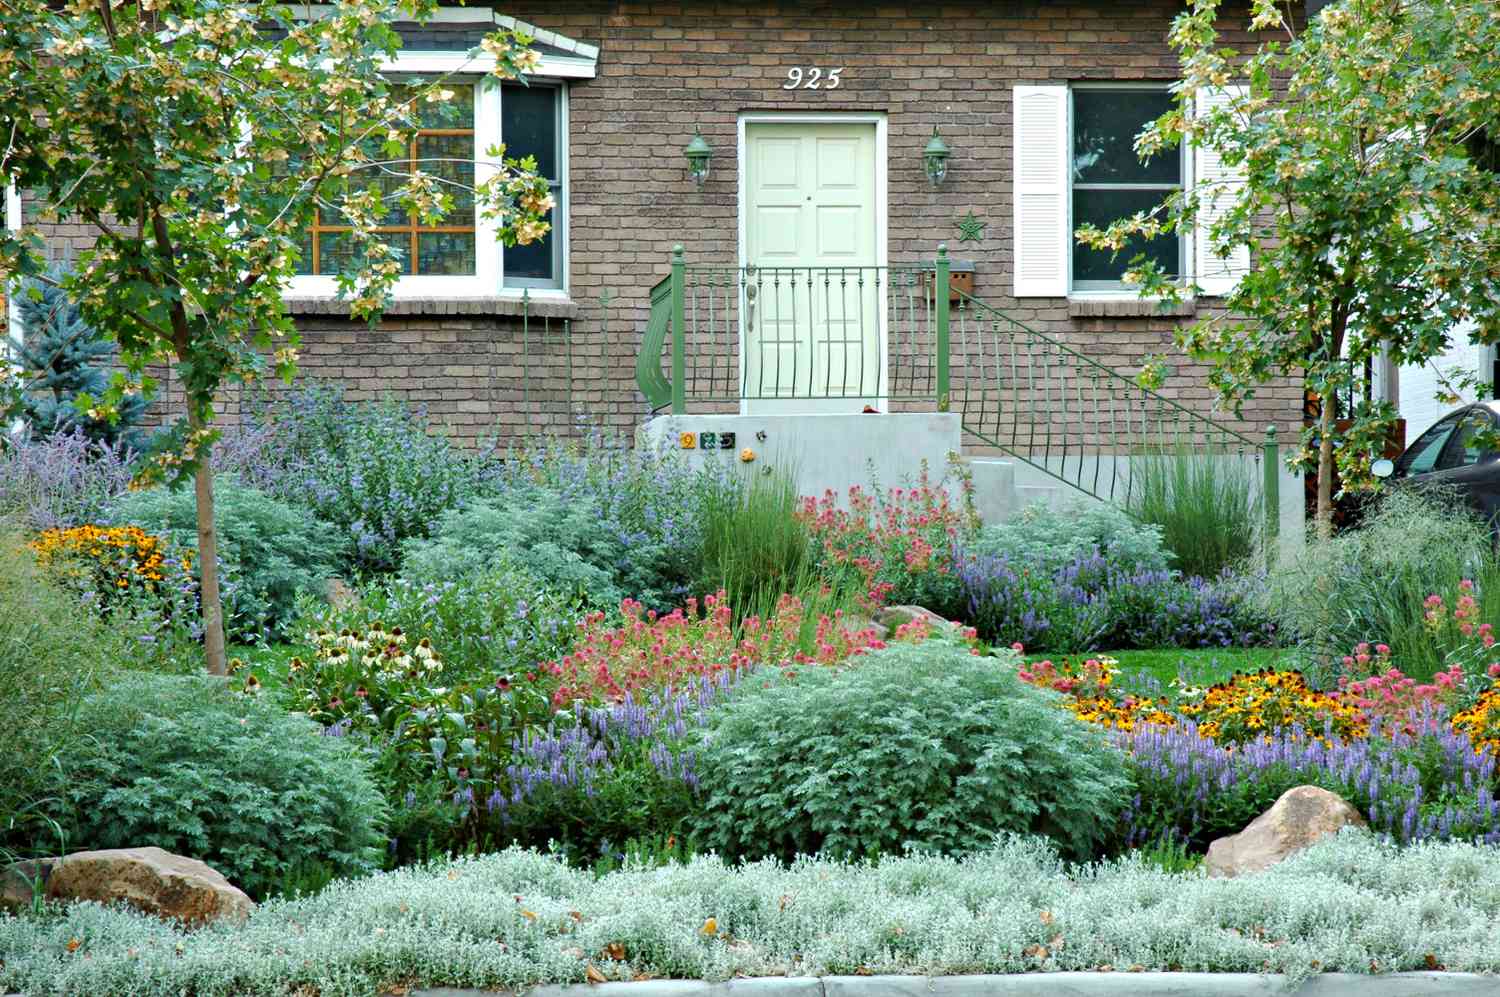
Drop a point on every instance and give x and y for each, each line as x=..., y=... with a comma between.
x=882, y=205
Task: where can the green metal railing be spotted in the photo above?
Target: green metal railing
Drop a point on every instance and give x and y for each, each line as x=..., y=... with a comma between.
x=1076, y=419
x=725, y=335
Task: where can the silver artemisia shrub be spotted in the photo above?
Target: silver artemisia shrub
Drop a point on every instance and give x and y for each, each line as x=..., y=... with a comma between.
x=914, y=748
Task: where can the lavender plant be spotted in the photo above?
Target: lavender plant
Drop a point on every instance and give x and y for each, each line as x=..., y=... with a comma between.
x=376, y=471
x=1091, y=602
x=1022, y=603
x=605, y=776
x=60, y=480
x=1413, y=781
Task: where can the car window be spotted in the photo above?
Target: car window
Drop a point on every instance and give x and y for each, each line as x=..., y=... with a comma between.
x=1422, y=456
x=1464, y=448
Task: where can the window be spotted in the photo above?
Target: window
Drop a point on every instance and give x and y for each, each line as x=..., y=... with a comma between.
x=1465, y=448
x=1109, y=182
x=460, y=255
x=531, y=124
x=1074, y=162
x=1423, y=455
x=442, y=145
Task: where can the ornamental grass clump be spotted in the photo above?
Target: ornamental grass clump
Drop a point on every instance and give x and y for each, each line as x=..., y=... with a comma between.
x=1374, y=582
x=914, y=748
x=53, y=652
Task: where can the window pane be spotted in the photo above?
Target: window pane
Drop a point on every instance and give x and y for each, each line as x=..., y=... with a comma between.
x=1465, y=450
x=335, y=252
x=1423, y=455
x=451, y=157
x=455, y=112
x=1101, y=207
x=1105, y=124
x=532, y=261
x=450, y=253
x=528, y=125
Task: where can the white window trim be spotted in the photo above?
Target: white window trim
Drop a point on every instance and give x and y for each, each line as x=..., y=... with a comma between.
x=488, y=278
x=581, y=63
x=1185, y=249
x=12, y=307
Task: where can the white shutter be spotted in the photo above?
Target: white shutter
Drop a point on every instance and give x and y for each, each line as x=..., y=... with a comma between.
x=1040, y=138
x=1220, y=186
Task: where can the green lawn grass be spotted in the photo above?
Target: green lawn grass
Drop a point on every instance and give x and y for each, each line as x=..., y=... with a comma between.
x=1203, y=666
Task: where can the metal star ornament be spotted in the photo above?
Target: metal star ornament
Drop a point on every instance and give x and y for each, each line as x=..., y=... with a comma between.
x=970, y=228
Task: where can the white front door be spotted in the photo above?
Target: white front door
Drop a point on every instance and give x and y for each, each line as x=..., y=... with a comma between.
x=811, y=312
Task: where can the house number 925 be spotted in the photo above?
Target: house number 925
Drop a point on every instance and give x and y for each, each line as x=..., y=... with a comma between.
x=813, y=78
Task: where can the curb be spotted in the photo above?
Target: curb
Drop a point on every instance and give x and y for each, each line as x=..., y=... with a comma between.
x=1420, y=984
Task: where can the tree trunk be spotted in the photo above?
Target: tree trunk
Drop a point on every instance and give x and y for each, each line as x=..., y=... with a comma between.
x=1327, y=411
x=208, y=562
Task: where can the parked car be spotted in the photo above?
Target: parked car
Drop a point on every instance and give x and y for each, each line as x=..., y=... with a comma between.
x=1457, y=452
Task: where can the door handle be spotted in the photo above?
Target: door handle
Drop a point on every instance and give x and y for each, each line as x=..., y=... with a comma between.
x=749, y=308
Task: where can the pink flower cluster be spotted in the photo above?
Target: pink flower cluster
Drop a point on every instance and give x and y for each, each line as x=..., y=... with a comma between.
x=650, y=652
x=909, y=532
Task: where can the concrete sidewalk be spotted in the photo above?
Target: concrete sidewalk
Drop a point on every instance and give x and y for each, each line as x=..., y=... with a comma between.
x=1034, y=985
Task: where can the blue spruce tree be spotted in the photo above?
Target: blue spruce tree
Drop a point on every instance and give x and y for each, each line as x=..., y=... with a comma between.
x=64, y=357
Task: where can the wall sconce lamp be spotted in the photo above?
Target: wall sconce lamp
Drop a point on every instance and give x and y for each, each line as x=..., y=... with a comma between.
x=936, y=157
x=698, y=153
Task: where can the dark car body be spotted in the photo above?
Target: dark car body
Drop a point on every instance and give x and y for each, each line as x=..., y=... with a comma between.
x=1455, y=454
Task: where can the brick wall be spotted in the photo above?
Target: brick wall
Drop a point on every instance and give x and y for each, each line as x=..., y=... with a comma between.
x=667, y=66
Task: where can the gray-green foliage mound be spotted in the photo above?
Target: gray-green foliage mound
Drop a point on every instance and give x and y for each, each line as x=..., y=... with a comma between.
x=1349, y=904
x=186, y=765
x=270, y=550
x=916, y=747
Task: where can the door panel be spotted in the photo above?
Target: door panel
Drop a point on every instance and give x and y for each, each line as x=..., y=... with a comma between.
x=811, y=314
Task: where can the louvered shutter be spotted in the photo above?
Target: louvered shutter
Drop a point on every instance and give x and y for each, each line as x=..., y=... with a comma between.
x=1219, y=188
x=1040, y=138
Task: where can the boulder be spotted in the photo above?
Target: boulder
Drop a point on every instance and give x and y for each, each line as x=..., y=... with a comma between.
x=856, y=623
x=151, y=880
x=1303, y=815
x=892, y=617
x=18, y=882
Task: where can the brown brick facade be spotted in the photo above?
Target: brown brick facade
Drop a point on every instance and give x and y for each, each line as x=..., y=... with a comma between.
x=665, y=67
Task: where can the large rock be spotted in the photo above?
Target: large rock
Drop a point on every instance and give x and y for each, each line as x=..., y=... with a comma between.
x=895, y=616
x=1302, y=815
x=19, y=882
x=149, y=879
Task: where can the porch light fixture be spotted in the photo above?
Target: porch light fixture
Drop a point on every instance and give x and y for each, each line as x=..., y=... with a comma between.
x=936, y=157
x=698, y=153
